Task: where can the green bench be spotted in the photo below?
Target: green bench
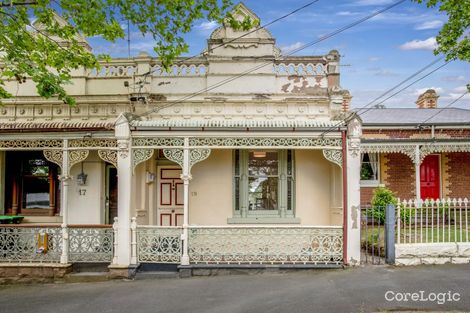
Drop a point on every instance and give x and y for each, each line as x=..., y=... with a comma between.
x=7, y=219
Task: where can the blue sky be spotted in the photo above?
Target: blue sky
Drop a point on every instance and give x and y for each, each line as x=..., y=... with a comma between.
x=376, y=55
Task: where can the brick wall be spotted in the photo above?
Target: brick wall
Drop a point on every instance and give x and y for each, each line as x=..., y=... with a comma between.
x=458, y=171
x=366, y=195
x=399, y=175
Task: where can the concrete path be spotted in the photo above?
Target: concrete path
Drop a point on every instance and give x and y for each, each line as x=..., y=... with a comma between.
x=360, y=289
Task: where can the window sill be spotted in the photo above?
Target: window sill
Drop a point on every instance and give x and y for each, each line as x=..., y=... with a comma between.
x=369, y=183
x=263, y=220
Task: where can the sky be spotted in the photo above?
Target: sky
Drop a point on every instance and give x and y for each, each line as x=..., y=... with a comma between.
x=376, y=55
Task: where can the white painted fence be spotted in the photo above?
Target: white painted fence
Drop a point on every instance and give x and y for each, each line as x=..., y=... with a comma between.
x=266, y=244
x=158, y=244
x=433, y=221
x=44, y=243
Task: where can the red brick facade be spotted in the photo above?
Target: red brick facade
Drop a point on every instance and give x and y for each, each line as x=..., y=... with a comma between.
x=399, y=175
x=366, y=195
x=458, y=174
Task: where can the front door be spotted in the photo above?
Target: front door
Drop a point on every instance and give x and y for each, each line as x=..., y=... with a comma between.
x=111, y=194
x=430, y=177
x=170, y=196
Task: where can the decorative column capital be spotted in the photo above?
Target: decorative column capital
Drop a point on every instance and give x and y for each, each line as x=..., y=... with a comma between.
x=123, y=147
x=186, y=178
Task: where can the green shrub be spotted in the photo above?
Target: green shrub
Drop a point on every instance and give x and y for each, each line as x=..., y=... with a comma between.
x=381, y=198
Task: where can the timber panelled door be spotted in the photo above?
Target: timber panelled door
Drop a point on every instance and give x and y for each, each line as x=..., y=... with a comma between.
x=170, y=196
x=430, y=177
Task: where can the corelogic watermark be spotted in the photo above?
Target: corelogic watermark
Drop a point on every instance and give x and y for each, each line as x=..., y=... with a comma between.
x=422, y=296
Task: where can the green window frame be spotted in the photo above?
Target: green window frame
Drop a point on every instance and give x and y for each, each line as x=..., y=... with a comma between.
x=263, y=186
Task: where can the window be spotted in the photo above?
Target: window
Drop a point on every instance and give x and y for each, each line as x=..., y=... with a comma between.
x=32, y=187
x=370, y=169
x=263, y=186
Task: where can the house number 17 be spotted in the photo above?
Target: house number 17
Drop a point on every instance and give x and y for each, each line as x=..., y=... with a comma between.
x=81, y=192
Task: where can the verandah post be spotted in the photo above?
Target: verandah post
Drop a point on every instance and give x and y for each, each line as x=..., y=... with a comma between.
x=186, y=177
x=65, y=178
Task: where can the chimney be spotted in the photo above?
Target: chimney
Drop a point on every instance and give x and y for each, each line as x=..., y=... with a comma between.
x=427, y=100
x=346, y=101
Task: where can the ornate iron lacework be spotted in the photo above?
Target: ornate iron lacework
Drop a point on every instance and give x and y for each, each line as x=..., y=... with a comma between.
x=408, y=150
x=140, y=155
x=435, y=148
x=175, y=155
x=92, y=143
x=265, y=142
x=77, y=156
x=335, y=156
x=265, y=245
x=195, y=155
x=19, y=244
x=90, y=244
x=198, y=155
x=54, y=156
x=31, y=143
x=109, y=156
x=159, y=244
x=158, y=142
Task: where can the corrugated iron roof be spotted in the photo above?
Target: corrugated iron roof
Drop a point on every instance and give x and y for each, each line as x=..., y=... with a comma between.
x=414, y=116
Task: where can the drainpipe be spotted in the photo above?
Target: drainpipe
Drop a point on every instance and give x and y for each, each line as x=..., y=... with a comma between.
x=345, y=198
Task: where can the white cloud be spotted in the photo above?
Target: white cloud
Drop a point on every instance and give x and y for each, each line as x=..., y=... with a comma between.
x=347, y=13
x=206, y=28
x=208, y=25
x=372, y=2
x=428, y=44
x=374, y=59
x=460, y=89
x=429, y=25
x=459, y=78
x=292, y=47
x=420, y=91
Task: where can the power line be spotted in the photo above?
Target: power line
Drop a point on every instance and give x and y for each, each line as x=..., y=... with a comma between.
x=145, y=75
x=227, y=80
x=247, y=33
x=366, y=108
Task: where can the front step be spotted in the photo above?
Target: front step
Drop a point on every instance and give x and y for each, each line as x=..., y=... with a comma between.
x=156, y=275
x=86, y=277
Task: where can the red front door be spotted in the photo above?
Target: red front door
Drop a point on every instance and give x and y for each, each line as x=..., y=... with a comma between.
x=430, y=177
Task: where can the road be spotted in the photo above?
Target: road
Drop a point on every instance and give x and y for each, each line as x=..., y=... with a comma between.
x=361, y=289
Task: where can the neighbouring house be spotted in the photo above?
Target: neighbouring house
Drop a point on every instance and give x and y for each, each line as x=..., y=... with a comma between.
x=233, y=157
x=418, y=153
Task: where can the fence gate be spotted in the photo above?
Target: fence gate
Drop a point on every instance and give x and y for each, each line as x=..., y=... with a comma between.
x=373, y=235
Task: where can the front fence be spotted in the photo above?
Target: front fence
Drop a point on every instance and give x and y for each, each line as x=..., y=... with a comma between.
x=30, y=244
x=157, y=244
x=433, y=221
x=265, y=245
x=43, y=243
x=90, y=243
